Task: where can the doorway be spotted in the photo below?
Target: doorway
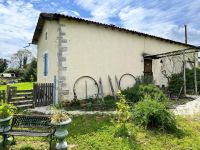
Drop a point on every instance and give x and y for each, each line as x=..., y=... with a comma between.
x=148, y=67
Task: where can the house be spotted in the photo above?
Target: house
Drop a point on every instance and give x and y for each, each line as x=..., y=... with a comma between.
x=7, y=75
x=79, y=54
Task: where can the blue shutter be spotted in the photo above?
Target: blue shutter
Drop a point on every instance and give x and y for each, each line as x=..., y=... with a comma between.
x=45, y=64
x=44, y=57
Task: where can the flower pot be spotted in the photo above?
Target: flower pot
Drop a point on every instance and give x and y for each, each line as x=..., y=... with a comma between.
x=4, y=124
x=61, y=133
x=4, y=127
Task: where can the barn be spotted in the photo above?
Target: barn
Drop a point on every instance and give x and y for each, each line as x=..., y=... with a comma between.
x=87, y=59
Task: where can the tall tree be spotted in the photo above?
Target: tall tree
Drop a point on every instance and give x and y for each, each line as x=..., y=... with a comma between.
x=21, y=58
x=31, y=71
x=3, y=65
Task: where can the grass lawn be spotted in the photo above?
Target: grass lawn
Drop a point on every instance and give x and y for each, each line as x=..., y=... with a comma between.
x=20, y=86
x=96, y=132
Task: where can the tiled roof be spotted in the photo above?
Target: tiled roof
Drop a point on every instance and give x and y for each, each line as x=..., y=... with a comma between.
x=55, y=16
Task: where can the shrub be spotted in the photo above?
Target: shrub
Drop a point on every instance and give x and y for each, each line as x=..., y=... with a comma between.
x=109, y=100
x=122, y=110
x=6, y=110
x=31, y=71
x=17, y=71
x=144, y=80
x=122, y=115
x=176, y=81
x=153, y=114
x=138, y=92
x=26, y=147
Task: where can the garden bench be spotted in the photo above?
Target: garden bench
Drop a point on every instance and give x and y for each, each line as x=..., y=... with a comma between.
x=29, y=125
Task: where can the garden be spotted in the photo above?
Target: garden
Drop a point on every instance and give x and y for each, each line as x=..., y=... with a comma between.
x=98, y=132
x=140, y=119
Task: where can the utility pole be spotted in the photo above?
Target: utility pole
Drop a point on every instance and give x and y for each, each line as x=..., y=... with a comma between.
x=195, y=73
x=184, y=64
x=185, y=34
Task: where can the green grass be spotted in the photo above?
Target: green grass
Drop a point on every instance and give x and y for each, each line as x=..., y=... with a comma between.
x=20, y=86
x=97, y=132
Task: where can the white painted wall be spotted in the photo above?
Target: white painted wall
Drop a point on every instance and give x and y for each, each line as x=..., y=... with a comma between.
x=97, y=51
x=50, y=46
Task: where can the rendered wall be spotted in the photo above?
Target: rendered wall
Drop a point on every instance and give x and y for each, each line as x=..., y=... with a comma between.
x=97, y=51
x=50, y=45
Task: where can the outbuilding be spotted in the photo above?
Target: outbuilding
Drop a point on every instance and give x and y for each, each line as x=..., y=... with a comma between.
x=84, y=57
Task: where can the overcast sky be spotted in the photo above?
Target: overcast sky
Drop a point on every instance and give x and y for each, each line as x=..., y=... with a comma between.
x=165, y=18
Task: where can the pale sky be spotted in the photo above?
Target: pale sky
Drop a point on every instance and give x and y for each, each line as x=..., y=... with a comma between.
x=164, y=18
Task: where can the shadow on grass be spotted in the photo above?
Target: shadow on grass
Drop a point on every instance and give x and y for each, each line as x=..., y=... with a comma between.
x=127, y=134
x=180, y=133
x=177, y=133
x=85, y=124
x=133, y=144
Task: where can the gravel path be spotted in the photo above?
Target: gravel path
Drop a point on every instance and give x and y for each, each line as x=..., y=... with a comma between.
x=190, y=108
x=47, y=110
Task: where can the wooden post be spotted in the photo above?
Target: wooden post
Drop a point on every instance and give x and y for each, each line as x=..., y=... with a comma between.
x=8, y=94
x=34, y=94
x=184, y=74
x=101, y=89
x=54, y=91
x=195, y=74
x=111, y=86
x=117, y=82
x=4, y=96
x=86, y=95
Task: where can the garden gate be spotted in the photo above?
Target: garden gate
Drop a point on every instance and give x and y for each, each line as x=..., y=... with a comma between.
x=40, y=95
x=43, y=94
x=20, y=98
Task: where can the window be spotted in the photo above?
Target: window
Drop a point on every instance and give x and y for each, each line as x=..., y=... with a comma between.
x=45, y=64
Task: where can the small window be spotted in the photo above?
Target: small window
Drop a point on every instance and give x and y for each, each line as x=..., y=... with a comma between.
x=46, y=35
x=45, y=64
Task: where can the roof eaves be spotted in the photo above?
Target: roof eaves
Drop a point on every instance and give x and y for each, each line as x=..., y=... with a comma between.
x=55, y=16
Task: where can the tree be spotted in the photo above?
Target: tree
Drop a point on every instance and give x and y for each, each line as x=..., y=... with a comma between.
x=19, y=72
x=21, y=58
x=31, y=71
x=3, y=65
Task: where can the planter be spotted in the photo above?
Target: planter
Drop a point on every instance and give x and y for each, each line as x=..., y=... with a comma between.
x=61, y=133
x=4, y=124
x=4, y=127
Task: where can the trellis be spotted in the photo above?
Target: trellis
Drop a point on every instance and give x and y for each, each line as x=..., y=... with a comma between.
x=181, y=57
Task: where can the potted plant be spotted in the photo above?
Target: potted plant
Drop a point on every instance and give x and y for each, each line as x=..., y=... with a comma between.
x=60, y=120
x=6, y=113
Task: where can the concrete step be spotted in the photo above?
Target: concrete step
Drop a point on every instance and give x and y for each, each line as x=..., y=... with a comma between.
x=25, y=106
x=21, y=102
x=21, y=98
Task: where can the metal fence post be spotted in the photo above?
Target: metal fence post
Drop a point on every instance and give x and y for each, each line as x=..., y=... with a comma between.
x=54, y=91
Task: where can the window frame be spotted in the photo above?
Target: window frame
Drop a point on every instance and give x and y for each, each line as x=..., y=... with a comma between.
x=45, y=63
